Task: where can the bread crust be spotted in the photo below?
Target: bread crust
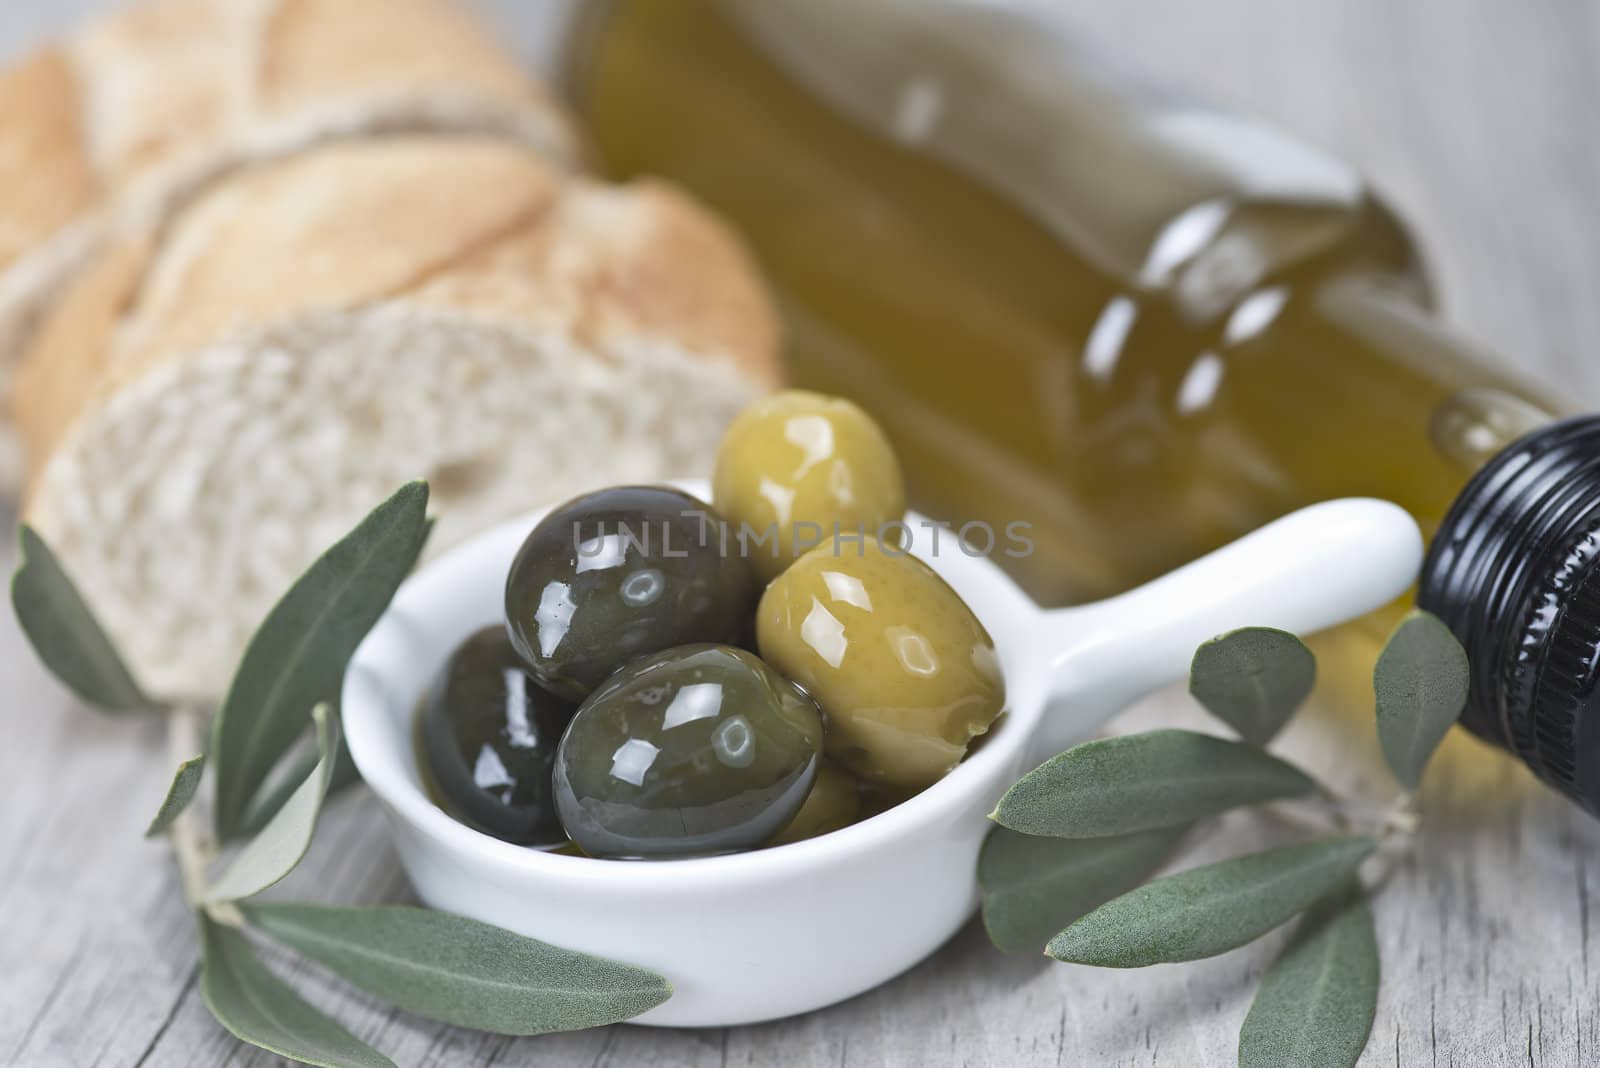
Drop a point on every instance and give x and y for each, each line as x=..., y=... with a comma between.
x=44, y=166
x=639, y=260
x=313, y=50
x=484, y=228
x=71, y=351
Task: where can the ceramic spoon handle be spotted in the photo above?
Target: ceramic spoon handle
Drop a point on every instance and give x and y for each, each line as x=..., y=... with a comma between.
x=1306, y=572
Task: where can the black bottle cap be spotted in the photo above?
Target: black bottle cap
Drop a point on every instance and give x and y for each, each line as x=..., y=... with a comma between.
x=1515, y=573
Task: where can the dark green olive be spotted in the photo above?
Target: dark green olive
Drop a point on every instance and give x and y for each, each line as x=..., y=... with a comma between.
x=619, y=573
x=696, y=750
x=489, y=737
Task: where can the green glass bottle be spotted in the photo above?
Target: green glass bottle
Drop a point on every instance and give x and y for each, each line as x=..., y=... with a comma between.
x=1141, y=324
x=1073, y=298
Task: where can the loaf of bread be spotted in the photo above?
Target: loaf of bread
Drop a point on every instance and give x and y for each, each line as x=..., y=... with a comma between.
x=213, y=401
x=130, y=117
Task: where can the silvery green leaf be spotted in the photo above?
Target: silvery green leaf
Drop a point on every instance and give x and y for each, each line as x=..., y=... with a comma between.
x=278, y=847
x=1033, y=887
x=1253, y=680
x=1316, y=1002
x=1137, y=782
x=460, y=971
x=261, y=1009
x=1210, y=910
x=65, y=633
x=184, y=786
x=285, y=779
x=298, y=656
x=1421, y=683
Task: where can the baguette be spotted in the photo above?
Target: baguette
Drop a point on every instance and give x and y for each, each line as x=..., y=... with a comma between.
x=121, y=124
x=210, y=405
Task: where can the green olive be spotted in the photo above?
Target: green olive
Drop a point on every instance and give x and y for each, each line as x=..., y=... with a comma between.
x=619, y=573
x=834, y=802
x=489, y=736
x=905, y=673
x=690, y=751
x=798, y=467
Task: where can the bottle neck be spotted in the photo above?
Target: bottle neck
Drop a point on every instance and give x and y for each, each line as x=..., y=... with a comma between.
x=1483, y=412
x=1475, y=425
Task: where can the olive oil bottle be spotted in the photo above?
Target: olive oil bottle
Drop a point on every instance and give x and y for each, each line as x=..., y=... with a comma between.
x=1076, y=299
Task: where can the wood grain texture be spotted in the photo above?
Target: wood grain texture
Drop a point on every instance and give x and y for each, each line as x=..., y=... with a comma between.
x=1477, y=117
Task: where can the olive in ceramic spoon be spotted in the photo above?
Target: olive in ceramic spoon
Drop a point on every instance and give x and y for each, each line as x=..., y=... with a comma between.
x=619, y=573
x=797, y=467
x=489, y=736
x=691, y=751
x=904, y=671
x=834, y=802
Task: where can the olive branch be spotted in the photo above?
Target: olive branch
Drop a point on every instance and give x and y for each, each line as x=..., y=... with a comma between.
x=1078, y=836
x=274, y=754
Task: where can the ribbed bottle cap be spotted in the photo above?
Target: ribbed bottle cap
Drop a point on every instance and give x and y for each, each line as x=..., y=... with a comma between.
x=1515, y=572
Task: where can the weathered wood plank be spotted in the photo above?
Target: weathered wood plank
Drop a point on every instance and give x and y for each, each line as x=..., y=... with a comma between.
x=1477, y=117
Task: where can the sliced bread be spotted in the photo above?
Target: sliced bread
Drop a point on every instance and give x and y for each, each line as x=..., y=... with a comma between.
x=131, y=117
x=210, y=405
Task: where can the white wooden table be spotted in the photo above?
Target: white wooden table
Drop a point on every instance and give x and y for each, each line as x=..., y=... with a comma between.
x=1479, y=118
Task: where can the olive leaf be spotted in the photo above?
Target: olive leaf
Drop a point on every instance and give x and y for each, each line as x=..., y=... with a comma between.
x=287, y=774
x=1253, y=680
x=298, y=656
x=1316, y=1002
x=460, y=971
x=185, y=783
x=65, y=634
x=1033, y=887
x=1210, y=910
x=261, y=1009
x=1421, y=683
x=286, y=779
x=1137, y=782
x=274, y=852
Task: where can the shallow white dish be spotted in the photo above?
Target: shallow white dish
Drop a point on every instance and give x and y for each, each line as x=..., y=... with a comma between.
x=760, y=935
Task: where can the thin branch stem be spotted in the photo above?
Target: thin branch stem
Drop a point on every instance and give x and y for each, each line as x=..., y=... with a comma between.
x=1331, y=812
x=1401, y=818
x=191, y=844
x=1339, y=807
x=1320, y=819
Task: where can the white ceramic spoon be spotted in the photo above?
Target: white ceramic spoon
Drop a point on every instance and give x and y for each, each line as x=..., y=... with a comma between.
x=759, y=935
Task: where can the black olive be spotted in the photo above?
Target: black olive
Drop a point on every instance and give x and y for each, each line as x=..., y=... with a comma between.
x=619, y=573
x=489, y=737
x=696, y=750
